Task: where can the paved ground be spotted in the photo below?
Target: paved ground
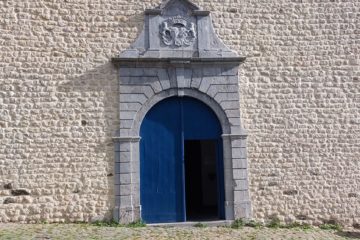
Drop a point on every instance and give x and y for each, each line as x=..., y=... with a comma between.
x=86, y=231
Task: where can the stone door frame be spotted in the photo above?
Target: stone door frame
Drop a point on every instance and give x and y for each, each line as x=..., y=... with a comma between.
x=145, y=83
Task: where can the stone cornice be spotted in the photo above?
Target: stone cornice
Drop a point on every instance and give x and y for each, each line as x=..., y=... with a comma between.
x=220, y=60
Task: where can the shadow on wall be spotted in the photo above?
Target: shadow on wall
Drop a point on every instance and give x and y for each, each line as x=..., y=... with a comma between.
x=91, y=101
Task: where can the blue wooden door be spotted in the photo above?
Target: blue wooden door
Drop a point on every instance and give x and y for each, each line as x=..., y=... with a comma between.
x=162, y=178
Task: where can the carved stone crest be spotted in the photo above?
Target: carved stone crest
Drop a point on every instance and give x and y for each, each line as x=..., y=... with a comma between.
x=178, y=32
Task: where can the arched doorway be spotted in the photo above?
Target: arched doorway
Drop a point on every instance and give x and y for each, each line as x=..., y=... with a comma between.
x=154, y=69
x=181, y=164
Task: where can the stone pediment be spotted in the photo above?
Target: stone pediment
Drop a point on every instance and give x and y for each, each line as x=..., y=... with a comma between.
x=180, y=5
x=177, y=29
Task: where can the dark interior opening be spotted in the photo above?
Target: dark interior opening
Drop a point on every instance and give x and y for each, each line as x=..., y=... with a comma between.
x=201, y=185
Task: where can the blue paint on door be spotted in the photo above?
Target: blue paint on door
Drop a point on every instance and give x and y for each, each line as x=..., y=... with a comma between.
x=161, y=190
x=163, y=132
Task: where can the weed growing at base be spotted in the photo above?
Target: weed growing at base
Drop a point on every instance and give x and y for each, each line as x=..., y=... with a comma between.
x=237, y=224
x=274, y=223
x=113, y=223
x=200, y=225
x=327, y=226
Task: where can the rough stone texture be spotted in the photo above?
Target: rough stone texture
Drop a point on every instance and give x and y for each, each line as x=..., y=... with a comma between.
x=87, y=231
x=300, y=102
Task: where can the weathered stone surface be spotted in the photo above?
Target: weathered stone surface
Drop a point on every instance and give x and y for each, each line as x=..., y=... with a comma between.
x=301, y=217
x=19, y=192
x=273, y=184
x=290, y=192
x=9, y=200
x=356, y=225
x=353, y=195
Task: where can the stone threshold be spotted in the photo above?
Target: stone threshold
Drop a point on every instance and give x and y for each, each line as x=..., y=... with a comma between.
x=216, y=223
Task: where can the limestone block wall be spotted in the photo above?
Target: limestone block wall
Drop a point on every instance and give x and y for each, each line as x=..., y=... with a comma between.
x=300, y=102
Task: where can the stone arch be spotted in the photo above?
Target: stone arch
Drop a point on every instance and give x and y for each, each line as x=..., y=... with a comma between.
x=127, y=204
x=189, y=92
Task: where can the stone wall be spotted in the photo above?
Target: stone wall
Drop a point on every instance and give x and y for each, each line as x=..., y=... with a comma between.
x=300, y=102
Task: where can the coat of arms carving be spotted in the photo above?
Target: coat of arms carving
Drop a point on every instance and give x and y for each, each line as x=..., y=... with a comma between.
x=178, y=32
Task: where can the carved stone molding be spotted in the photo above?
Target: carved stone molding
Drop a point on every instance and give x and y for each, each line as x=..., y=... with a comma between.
x=178, y=32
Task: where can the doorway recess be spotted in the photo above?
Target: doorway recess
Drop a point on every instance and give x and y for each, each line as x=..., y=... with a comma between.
x=202, y=181
x=178, y=55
